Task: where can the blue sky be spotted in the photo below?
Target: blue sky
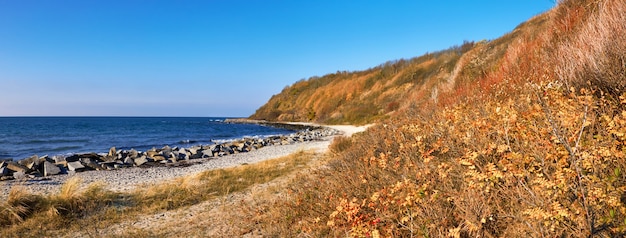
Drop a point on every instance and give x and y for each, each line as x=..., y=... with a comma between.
x=214, y=57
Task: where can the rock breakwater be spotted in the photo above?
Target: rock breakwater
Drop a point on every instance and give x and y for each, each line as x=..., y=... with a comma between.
x=36, y=166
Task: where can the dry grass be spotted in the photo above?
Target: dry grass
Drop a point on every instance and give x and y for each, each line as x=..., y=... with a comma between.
x=214, y=183
x=91, y=211
x=595, y=54
x=340, y=144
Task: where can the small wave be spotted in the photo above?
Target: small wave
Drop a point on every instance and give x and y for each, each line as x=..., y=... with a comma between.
x=187, y=141
x=221, y=141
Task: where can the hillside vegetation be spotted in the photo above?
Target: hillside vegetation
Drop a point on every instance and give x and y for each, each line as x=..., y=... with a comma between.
x=362, y=96
x=522, y=136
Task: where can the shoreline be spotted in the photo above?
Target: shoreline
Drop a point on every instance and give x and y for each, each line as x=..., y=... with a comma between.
x=129, y=178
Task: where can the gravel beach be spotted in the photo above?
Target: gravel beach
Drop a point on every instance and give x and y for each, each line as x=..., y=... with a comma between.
x=128, y=179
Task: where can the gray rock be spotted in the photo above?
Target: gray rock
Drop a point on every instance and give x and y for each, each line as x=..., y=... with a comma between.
x=76, y=166
x=60, y=160
x=4, y=171
x=19, y=175
x=207, y=154
x=140, y=160
x=166, y=150
x=133, y=154
x=172, y=158
x=50, y=169
x=30, y=162
x=111, y=156
x=42, y=158
x=16, y=167
x=90, y=163
x=158, y=157
x=129, y=160
x=182, y=156
x=152, y=153
x=194, y=150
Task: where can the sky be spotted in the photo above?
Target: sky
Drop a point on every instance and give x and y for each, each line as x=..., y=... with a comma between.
x=215, y=58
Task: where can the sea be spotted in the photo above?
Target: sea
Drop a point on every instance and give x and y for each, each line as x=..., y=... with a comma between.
x=22, y=137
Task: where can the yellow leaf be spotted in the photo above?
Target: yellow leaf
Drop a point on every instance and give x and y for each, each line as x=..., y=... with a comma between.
x=502, y=148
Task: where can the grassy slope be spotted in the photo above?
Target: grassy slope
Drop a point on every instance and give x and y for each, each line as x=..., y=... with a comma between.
x=528, y=139
x=360, y=97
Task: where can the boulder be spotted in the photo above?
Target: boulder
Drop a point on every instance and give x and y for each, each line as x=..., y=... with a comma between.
x=140, y=160
x=50, y=169
x=129, y=160
x=4, y=171
x=194, y=150
x=60, y=160
x=215, y=148
x=15, y=167
x=168, y=155
x=181, y=154
x=111, y=156
x=42, y=158
x=151, y=153
x=93, y=156
x=158, y=157
x=76, y=166
x=172, y=159
x=90, y=163
x=133, y=154
x=207, y=154
x=30, y=162
x=196, y=154
x=19, y=175
x=166, y=148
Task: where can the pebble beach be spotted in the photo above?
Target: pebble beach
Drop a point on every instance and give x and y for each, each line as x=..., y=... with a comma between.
x=130, y=178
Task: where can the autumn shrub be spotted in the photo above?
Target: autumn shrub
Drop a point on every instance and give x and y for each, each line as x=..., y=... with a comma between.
x=548, y=166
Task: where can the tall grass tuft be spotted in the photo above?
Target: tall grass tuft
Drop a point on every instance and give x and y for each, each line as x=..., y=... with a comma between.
x=20, y=205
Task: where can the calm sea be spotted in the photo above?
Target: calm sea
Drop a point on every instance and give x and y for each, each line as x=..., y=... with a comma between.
x=22, y=137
